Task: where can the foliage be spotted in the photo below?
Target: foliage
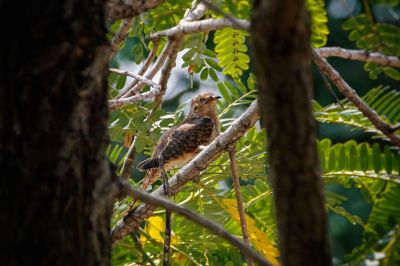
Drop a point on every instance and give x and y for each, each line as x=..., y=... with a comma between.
x=385, y=102
x=375, y=37
x=319, y=19
x=231, y=51
x=223, y=58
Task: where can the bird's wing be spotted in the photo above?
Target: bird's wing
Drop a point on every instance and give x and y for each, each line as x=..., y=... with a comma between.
x=187, y=137
x=180, y=140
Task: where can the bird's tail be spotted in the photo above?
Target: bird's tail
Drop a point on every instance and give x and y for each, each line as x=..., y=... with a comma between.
x=148, y=164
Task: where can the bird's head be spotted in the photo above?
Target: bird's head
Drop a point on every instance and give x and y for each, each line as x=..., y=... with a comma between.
x=204, y=104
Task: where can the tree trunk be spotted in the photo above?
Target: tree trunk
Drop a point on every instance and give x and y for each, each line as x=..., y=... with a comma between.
x=281, y=41
x=53, y=113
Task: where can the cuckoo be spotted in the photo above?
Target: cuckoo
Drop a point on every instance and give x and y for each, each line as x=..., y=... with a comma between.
x=183, y=142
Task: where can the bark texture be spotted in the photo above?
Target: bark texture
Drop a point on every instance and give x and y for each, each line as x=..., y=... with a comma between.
x=281, y=33
x=53, y=112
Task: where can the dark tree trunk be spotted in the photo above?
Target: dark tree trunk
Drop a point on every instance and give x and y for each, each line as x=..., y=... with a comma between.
x=53, y=112
x=281, y=34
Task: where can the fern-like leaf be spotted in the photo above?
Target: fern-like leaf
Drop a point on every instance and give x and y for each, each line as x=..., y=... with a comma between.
x=384, y=101
x=377, y=37
x=231, y=51
x=319, y=20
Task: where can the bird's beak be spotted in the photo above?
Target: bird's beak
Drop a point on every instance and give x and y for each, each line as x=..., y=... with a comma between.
x=216, y=97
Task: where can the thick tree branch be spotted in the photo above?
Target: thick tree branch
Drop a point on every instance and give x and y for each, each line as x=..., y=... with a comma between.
x=118, y=9
x=352, y=96
x=190, y=171
x=359, y=55
x=119, y=37
x=201, y=26
x=215, y=228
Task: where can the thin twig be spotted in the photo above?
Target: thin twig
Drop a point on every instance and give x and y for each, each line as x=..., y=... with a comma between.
x=330, y=89
x=350, y=94
x=133, y=75
x=201, y=26
x=170, y=63
x=168, y=220
x=176, y=40
x=239, y=200
x=359, y=55
x=190, y=171
x=125, y=188
x=119, y=36
x=112, y=104
x=142, y=69
x=128, y=160
x=153, y=71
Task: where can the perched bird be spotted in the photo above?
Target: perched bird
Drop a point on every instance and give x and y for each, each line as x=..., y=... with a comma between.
x=183, y=142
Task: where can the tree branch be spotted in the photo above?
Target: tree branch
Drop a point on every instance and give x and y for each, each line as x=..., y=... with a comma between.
x=153, y=71
x=119, y=37
x=133, y=75
x=170, y=63
x=213, y=227
x=112, y=104
x=176, y=40
x=239, y=200
x=118, y=9
x=142, y=70
x=128, y=161
x=359, y=55
x=189, y=171
x=201, y=26
x=169, y=53
x=218, y=10
x=351, y=94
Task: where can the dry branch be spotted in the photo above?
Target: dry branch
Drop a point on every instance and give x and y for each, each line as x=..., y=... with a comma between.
x=153, y=71
x=128, y=160
x=119, y=37
x=176, y=42
x=190, y=171
x=359, y=55
x=352, y=96
x=201, y=26
x=133, y=75
x=213, y=227
x=142, y=70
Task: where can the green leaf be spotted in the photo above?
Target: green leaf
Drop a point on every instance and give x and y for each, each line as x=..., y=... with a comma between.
x=121, y=80
x=213, y=74
x=319, y=20
x=204, y=74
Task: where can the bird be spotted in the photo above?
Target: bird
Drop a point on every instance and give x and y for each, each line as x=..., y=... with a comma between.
x=181, y=143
